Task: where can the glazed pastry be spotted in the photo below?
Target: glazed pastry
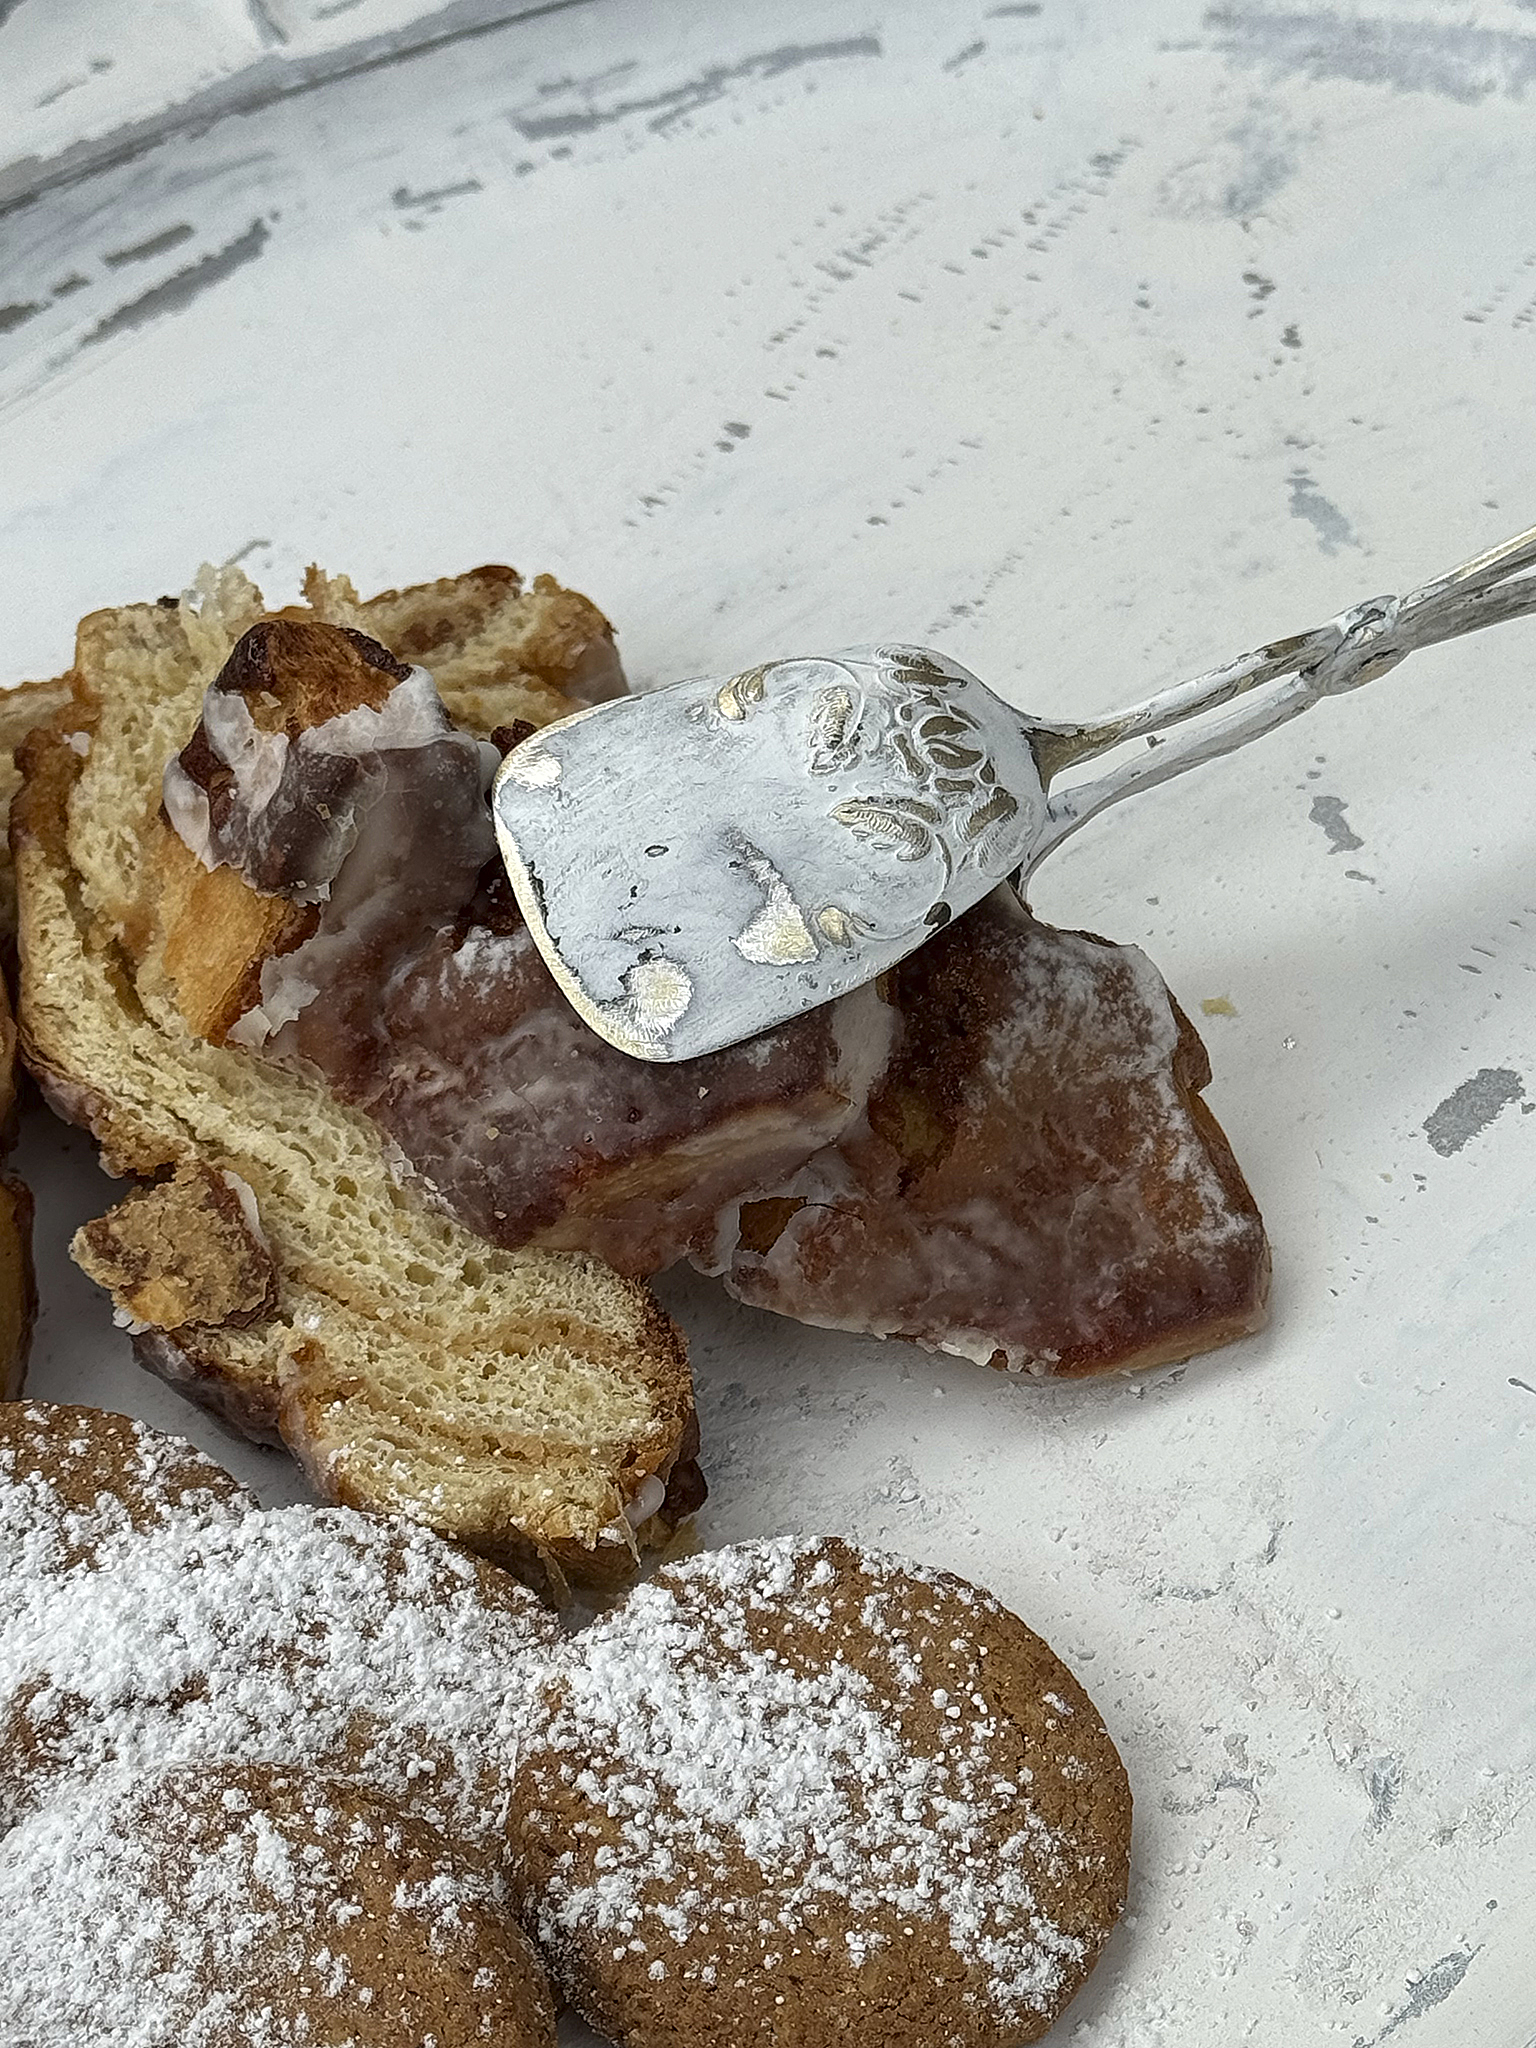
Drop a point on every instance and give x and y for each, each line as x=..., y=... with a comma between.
x=388, y=1157
x=530, y=1404
x=1035, y=1182
x=1001, y=1150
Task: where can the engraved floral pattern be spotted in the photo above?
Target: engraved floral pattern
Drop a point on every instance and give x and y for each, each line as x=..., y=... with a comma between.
x=897, y=714
x=957, y=809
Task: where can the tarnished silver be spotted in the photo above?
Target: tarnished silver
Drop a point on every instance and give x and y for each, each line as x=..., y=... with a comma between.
x=704, y=861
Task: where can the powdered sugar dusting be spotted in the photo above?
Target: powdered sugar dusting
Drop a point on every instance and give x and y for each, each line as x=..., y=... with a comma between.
x=294, y=1635
x=206, y=1908
x=760, y=1773
x=108, y=1475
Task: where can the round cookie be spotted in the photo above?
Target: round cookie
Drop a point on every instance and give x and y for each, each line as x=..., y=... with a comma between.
x=256, y=1908
x=795, y=1790
x=75, y=1481
x=365, y=1647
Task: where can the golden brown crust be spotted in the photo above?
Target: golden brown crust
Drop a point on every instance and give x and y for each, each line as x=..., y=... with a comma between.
x=294, y=674
x=21, y=710
x=203, y=1371
x=219, y=933
x=181, y=1251
x=39, y=824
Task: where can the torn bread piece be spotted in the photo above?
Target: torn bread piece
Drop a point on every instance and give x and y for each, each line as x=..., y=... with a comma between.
x=186, y=1250
x=531, y=1404
x=1035, y=1183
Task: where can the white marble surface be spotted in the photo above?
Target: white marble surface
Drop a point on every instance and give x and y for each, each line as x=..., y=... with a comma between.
x=1092, y=342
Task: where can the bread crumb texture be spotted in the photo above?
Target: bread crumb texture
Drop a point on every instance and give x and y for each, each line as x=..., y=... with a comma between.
x=515, y=1401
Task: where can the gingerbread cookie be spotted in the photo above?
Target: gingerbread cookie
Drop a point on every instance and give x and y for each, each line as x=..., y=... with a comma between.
x=321, y=1637
x=256, y=1908
x=76, y=1481
x=796, y=1790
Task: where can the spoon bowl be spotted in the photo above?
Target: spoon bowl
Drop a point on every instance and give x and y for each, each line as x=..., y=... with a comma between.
x=705, y=861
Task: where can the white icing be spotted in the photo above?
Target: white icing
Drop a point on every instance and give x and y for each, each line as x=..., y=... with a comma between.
x=411, y=715
x=646, y=1502
x=245, y=1195
x=286, y=989
x=186, y=805
x=255, y=758
x=968, y=1267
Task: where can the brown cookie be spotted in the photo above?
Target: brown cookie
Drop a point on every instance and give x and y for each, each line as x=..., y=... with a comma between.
x=74, y=1481
x=318, y=1637
x=796, y=1790
x=256, y=1908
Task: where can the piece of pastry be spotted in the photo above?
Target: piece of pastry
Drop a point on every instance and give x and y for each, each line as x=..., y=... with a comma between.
x=1035, y=1182
x=331, y=895
x=797, y=1791
x=273, y=960
x=1000, y=1150
x=531, y=1403
x=189, y=1628
x=22, y=709
x=256, y=1908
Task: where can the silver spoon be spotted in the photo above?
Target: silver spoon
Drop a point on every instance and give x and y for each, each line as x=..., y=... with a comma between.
x=704, y=861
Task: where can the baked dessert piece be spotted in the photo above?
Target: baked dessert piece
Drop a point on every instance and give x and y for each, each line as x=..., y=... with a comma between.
x=21, y=709
x=1002, y=1151
x=75, y=1483
x=795, y=1790
x=310, y=1637
x=18, y=1288
x=531, y=1404
x=1035, y=1181
x=256, y=1908
x=356, y=922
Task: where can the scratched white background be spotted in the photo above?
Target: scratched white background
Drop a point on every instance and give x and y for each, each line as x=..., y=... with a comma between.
x=1093, y=342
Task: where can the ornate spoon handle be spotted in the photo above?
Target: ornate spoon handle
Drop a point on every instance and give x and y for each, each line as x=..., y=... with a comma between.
x=1356, y=647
